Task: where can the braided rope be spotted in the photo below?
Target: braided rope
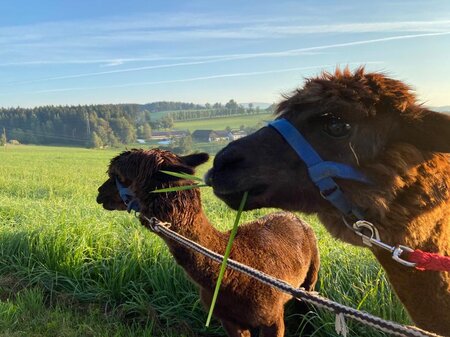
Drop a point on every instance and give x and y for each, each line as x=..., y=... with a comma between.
x=299, y=293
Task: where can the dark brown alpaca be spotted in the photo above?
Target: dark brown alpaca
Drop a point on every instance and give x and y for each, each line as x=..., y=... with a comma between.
x=373, y=123
x=279, y=244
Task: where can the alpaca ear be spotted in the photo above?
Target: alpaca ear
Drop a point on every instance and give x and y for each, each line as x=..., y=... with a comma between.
x=430, y=131
x=195, y=159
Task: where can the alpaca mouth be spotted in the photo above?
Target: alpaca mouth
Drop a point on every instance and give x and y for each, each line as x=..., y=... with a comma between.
x=108, y=205
x=233, y=198
x=105, y=205
x=226, y=188
x=223, y=186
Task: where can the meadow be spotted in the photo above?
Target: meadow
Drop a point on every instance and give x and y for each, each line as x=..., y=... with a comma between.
x=220, y=123
x=70, y=268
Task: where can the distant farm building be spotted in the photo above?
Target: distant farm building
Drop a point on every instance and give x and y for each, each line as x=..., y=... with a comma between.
x=202, y=136
x=216, y=135
x=167, y=135
x=236, y=134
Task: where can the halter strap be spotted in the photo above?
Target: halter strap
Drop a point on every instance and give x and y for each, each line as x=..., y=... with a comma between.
x=128, y=197
x=321, y=172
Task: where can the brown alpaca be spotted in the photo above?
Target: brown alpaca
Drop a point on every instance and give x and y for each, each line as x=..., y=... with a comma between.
x=278, y=244
x=373, y=123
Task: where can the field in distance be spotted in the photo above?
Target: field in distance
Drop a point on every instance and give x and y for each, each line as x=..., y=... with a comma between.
x=220, y=123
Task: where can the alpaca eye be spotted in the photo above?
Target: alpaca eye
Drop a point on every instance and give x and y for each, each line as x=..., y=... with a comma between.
x=336, y=127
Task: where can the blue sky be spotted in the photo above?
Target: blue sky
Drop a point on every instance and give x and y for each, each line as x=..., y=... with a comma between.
x=83, y=52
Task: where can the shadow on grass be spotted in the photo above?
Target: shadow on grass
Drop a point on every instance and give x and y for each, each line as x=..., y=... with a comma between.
x=140, y=285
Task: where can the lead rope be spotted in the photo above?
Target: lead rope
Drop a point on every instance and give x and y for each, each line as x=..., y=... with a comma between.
x=299, y=293
x=340, y=326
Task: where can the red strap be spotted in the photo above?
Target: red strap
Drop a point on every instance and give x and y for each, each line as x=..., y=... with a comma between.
x=429, y=261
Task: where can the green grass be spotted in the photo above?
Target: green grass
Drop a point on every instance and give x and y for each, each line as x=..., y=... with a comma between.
x=70, y=268
x=221, y=123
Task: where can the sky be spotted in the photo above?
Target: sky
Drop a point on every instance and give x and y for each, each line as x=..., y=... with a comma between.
x=113, y=51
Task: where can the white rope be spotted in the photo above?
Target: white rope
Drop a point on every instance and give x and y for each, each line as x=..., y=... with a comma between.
x=311, y=297
x=340, y=325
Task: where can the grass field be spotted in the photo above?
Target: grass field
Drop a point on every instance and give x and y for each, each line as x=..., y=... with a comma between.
x=70, y=268
x=222, y=122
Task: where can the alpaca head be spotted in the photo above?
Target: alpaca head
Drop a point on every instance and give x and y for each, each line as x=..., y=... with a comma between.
x=365, y=120
x=140, y=171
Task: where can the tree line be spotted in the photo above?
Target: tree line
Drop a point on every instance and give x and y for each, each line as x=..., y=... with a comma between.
x=213, y=111
x=81, y=125
x=103, y=125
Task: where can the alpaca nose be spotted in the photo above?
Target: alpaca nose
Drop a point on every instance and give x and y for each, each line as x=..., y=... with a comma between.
x=227, y=159
x=208, y=177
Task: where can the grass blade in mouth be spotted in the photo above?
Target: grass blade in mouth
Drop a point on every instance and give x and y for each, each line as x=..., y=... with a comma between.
x=179, y=188
x=182, y=175
x=225, y=257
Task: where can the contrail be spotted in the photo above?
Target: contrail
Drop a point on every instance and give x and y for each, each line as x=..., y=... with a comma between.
x=292, y=52
x=201, y=78
x=160, y=66
x=232, y=57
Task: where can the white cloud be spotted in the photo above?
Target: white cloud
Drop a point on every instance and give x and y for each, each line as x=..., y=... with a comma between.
x=233, y=57
x=89, y=41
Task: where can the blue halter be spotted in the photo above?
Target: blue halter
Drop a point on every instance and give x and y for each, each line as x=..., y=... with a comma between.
x=128, y=197
x=321, y=172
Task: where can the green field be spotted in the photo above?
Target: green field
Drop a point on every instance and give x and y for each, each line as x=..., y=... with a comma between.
x=70, y=268
x=221, y=123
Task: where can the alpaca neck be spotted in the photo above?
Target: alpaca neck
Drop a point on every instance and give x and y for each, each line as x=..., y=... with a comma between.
x=410, y=206
x=412, y=209
x=419, y=211
x=184, y=213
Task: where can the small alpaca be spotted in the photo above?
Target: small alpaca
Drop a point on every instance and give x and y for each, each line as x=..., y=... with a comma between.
x=375, y=124
x=278, y=244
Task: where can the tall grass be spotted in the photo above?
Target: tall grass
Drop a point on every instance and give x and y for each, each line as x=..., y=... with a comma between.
x=57, y=241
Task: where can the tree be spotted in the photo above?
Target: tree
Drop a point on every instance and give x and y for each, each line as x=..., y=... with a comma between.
x=182, y=145
x=147, y=131
x=156, y=125
x=167, y=122
x=232, y=105
x=3, y=139
x=95, y=141
x=113, y=140
x=124, y=129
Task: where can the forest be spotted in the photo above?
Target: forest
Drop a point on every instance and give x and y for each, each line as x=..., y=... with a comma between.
x=104, y=125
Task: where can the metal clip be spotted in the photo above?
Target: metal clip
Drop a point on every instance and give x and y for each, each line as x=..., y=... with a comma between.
x=153, y=223
x=398, y=251
x=374, y=240
x=374, y=235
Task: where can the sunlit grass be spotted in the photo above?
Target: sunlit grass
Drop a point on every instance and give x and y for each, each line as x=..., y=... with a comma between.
x=59, y=243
